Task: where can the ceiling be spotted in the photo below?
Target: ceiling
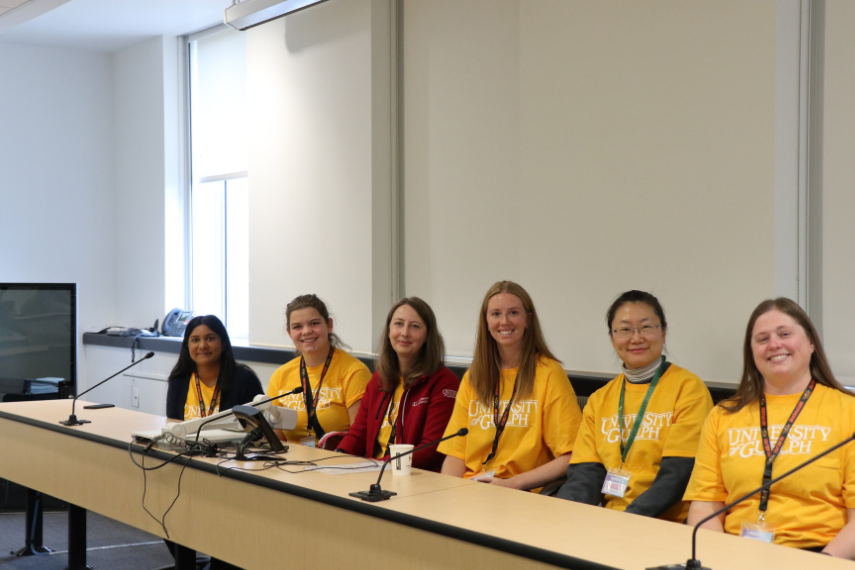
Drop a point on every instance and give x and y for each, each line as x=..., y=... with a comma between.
x=104, y=25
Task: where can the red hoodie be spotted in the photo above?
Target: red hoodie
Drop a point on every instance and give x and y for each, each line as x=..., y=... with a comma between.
x=423, y=414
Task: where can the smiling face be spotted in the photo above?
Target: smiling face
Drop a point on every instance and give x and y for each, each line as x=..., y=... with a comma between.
x=507, y=321
x=205, y=346
x=781, y=348
x=310, y=333
x=407, y=334
x=644, y=345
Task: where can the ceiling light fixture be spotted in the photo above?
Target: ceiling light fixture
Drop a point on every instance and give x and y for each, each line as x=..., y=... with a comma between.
x=244, y=15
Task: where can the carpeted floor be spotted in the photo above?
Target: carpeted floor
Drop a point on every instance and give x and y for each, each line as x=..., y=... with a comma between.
x=111, y=545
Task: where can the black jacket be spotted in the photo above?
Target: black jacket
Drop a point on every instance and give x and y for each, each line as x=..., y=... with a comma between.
x=244, y=387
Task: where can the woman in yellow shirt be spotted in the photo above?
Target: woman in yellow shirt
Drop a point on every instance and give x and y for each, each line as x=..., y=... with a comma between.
x=640, y=466
x=333, y=381
x=788, y=407
x=516, y=400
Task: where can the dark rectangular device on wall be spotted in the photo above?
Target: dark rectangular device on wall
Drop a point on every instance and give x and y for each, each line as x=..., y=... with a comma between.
x=38, y=341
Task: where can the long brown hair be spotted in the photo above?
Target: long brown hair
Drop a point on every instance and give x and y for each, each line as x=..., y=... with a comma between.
x=312, y=302
x=485, y=372
x=430, y=358
x=751, y=385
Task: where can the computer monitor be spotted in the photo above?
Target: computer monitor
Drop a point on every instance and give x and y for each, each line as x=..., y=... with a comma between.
x=38, y=340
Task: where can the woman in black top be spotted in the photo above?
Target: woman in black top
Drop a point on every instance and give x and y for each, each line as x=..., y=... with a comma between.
x=207, y=379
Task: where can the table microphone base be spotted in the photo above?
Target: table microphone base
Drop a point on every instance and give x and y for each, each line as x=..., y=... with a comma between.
x=374, y=494
x=690, y=565
x=73, y=421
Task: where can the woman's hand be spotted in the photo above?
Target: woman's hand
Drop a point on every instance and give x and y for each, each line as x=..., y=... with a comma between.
x=511, y=483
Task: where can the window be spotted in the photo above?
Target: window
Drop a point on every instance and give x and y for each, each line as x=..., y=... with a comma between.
x=219, y=189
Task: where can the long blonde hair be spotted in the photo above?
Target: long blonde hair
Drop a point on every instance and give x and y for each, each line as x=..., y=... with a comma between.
x=484, y=375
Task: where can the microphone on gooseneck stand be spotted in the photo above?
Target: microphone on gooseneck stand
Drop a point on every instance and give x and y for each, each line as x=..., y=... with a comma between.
x=693, y=563
x=72, y=419
x=375, y=493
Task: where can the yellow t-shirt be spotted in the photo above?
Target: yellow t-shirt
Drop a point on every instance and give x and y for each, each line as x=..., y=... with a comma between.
x=344, y=385
x=539, y=428
x=671, y=428
x=191, y=407
x=386, y=428
x=808, y=508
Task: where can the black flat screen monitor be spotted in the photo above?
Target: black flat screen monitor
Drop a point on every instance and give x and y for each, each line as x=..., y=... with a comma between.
x=38, y=340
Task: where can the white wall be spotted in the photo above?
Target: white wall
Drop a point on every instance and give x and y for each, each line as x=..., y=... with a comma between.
x=531, y=129
x=311, y=178
x=146, y=168
x=88, y=154
x=57, y=206
x=587, y=148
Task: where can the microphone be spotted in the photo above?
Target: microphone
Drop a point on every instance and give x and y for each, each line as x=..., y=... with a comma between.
x=227, y=413
x=693, y=563
x=375, y=493
x=72, y=419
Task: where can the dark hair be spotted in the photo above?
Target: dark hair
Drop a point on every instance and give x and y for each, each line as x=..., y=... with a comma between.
x=635, y=296
x=228, y=365
x=751, y=384
x=431, y=355
x=484, y=374
x=311, y=302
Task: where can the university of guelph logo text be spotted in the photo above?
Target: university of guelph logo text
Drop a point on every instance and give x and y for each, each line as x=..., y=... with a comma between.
x=481, y=415
x=747, y=442
x=323, y=400
x=192, y=411
x=648, y=430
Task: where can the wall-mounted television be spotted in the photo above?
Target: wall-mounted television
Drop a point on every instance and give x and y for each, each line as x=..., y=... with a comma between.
x=38, y=340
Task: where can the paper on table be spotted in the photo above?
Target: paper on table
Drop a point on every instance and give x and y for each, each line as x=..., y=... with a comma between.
x=359, y=467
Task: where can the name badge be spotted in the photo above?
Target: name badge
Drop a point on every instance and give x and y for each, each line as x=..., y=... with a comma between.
x=617, y=480
x=757, y=531
x=307, y=441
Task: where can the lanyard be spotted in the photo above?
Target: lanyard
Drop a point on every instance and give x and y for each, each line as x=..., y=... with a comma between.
x=393, y=422
x=308, y=398
x=639, y=418
x=772, y=453
x=500, y=423
x=202, y=400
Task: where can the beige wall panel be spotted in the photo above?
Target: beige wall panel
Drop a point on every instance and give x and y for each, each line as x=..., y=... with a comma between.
x=309, y=88
x=461, y=156
x=622, y=145
x=838, y=192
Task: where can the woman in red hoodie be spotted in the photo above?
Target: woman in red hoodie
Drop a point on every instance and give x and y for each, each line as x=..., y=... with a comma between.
x=411, y=395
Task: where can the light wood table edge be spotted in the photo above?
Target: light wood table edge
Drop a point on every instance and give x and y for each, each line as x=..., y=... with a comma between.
x=347, y=503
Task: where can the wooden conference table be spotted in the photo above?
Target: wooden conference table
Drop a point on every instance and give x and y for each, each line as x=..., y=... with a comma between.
x=272, y=519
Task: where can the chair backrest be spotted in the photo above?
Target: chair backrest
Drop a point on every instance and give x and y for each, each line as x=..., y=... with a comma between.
x=331, y=440
x=582, y=401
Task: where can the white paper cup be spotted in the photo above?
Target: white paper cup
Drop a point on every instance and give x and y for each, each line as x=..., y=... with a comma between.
x=401, y=465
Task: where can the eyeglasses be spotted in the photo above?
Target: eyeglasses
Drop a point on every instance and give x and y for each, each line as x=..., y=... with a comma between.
x=626, y=332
